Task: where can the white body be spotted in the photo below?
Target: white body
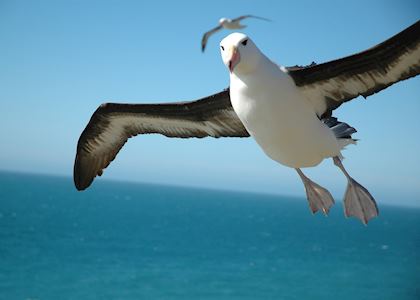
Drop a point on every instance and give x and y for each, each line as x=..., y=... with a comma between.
x=284, y=122
x=279, y=117
x=229, y=24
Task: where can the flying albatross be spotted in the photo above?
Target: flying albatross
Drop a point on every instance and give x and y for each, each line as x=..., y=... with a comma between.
x=287, y=110
x=227, y=24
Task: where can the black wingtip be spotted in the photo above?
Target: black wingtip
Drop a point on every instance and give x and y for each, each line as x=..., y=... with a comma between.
x=80, y=183
x=80, y=188
x=80, y=179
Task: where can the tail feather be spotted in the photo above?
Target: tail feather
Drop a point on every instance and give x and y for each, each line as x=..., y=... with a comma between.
x=341, y=130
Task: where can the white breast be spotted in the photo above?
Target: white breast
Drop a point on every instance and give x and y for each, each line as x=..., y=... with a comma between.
x=280, y=119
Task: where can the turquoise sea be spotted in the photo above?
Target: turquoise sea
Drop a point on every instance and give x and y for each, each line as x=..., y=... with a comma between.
x=140, y=241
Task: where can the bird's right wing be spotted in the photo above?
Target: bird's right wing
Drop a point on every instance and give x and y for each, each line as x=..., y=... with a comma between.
x=113, y=124
x=207, y=35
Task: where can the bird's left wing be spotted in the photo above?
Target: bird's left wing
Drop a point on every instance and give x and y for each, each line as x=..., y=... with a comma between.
x=113, y=124
x=207, y=35
x=330, y=84
x=249, y=16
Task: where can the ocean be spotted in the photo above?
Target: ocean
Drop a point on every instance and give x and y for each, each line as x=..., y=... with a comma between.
x=141, y=241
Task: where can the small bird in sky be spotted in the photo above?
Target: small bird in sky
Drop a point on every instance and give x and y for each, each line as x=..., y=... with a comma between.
x=287, y=110
x=227, y=24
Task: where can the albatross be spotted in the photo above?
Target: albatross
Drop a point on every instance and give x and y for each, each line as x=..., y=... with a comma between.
x=227, y=24
x=287, y=110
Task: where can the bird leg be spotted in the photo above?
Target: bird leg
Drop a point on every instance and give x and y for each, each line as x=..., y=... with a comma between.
x=318, y=197
x=358, y=202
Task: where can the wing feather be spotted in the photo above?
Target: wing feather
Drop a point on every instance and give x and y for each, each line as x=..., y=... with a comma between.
x=207, y=35
x=330, y=84
x=240, y=18
x=113, y=124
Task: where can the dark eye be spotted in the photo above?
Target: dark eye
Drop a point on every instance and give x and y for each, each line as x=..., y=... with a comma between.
x=244, y=42
x=223, y=48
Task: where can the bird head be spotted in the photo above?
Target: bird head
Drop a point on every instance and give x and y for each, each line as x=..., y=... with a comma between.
x=223, y=20
x=239, y=53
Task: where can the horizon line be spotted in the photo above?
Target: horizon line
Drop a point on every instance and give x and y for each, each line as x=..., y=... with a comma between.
x=134, y=182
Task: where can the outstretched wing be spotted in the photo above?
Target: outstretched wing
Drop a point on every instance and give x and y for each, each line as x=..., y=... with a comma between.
x=113, y=124
x=207, y=35
x=330, y=84
x=249, y=16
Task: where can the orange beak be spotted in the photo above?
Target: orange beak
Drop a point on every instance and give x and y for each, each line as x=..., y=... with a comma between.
x=234, y=58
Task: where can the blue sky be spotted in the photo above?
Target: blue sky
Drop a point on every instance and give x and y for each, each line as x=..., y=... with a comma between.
x=59, y=60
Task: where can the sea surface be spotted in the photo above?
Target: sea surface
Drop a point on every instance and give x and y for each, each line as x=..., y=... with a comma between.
x=140, y=241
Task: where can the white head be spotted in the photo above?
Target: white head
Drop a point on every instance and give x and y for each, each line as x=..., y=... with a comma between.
x=239, y=53
x=223, y=20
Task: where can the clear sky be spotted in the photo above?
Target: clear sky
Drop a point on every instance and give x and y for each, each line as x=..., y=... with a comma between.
x=59, y=60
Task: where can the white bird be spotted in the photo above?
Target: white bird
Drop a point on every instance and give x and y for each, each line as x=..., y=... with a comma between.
x=226, y=23
x=288, y=111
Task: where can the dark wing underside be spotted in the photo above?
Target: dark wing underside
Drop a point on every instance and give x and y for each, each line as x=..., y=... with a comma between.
x=330, y=84
x=113, y=124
